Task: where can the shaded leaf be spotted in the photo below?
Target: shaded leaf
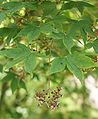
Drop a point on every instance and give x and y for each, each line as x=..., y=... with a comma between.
x=89, y=45
x=30, y=5
x=17, y=84
x=95, y=45
x=12, y=6
x=10, y=76
x=80, y=5
x=82, y=26
x=1, y=67
x=3, y=16
x=14, y=84
x=49, y=8
x=22, y=84
x=84, y=35
x=8, y=33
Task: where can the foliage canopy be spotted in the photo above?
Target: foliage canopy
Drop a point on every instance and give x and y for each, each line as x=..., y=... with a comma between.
x=47, y=42
x=65, y=32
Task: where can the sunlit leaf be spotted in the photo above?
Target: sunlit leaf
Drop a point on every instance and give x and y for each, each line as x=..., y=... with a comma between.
x=58, y=65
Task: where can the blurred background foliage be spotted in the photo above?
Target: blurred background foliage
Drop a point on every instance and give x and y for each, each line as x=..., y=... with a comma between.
x=76, y=102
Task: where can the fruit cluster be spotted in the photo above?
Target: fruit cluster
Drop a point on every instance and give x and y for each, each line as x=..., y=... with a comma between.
x=49, y=98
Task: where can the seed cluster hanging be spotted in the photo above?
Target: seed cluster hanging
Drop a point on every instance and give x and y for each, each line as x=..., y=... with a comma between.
x=49, y=98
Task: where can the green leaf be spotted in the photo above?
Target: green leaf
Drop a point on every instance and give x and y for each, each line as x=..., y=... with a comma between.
x=24, y=31
x=30, y=63
x=58, y=26
x=13, y=62
x=30, y=5
x=68, y=42
x=20, y=51
x=12, y=34
x=80, y=60
x=60, y=19
x=1, y=67
x=89, y=30
x=4, y=32
x=2, y=1
x=86, y=25
x=8, y=33
x=89, y=45
x=22, y=84
x=95, y=45
x=84, y=35
x=3, y=16
x=14, y=84
x=11, y=53
x=58, y=65
x=10, y=76
x=80, y=5
x=12, y=6
x=18, y=54
x=73, y=28
x=59, y=35
x=82, y=26
x=49, y=8
x=68, y=5
x=34, y=34
x=74, y=69
x=46, y=28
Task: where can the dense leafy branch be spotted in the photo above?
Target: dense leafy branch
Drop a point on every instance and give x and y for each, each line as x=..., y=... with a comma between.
x=60, y=30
